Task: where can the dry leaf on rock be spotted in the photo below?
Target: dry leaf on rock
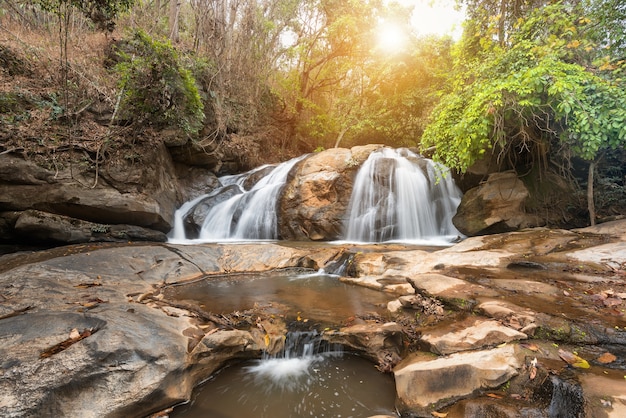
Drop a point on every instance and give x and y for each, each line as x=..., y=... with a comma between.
x=573, y=359
x=606, y=358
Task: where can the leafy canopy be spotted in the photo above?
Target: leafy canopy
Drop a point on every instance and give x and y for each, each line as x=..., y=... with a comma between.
x=545, y=89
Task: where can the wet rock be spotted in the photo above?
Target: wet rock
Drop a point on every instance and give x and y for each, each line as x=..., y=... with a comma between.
x=315, y=200
x=508, y=314
x=46, y=227
x=605, y=394
x=495, y=206
x=381, y=343
x=425, y=384
x=495, y=408
x=216, y=348
x=469, y=335
x=194, y=182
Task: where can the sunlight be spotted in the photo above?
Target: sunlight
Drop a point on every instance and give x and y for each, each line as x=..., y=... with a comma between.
x=391, y=39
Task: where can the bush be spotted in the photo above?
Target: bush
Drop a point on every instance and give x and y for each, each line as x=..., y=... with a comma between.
x=155, y=87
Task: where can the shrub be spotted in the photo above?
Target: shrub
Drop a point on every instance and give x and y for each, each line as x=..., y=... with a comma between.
x=155, y=87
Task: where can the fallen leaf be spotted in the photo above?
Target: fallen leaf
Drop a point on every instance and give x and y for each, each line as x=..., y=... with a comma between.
x=573, y=359
x=439, y=414
x=267, y=340
x=531, y=347
x=495, y=396
x=565, y=293
x=606, y=358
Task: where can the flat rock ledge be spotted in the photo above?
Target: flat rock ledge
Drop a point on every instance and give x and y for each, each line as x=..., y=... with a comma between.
x=424, y=385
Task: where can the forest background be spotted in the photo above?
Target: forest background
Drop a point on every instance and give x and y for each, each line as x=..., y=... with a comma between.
x=534, y=86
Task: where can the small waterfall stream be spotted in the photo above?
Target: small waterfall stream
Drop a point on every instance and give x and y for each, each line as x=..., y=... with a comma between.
x=307, y=379
x=397, y=196
x=245, y=214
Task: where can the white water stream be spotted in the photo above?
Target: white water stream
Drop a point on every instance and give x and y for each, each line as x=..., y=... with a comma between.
x=401, y=196
x=397, y=196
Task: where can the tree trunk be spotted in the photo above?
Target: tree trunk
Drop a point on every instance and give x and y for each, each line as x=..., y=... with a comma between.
x=174, y=11
x=590, y=203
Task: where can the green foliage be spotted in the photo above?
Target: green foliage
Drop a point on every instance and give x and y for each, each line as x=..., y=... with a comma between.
x=156, y=88
x=541, y=92
x=101, y=12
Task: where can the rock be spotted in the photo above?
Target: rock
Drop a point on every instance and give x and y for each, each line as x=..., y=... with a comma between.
x=129, y=365
x=507, y=313
x=469, y=335
x=315, y=200
x=615, y=229
x=16, y=170
x=612, y=255
x=425, y=384
x=126, y=193
x=203, y=154
x=424, y=304
x=194, y=182
x=46, y=227
x=495, y=206
x=381, y=343
x=217, y=348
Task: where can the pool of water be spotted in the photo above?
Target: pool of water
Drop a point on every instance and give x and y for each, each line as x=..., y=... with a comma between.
x=319, y=385
x=311, y=295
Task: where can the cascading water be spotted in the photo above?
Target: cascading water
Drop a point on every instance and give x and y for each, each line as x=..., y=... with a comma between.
x=308, y=379
x=244, y=214
x=399, y=195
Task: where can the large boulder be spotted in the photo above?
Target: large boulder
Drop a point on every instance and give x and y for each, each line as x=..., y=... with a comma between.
x=495, y=206
x=315, y=201
x=421, y=383
x=138, y=192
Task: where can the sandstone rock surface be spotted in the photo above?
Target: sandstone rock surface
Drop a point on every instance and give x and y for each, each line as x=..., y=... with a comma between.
x=495, y=206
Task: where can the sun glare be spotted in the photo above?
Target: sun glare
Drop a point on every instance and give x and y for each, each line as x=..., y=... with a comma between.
x=391, y=39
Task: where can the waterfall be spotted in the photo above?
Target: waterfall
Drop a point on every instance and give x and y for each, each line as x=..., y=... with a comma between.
x=399, y=195
x=245, y=213
x=291, y=369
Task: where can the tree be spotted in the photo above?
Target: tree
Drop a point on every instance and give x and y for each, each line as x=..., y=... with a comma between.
x=543, y=97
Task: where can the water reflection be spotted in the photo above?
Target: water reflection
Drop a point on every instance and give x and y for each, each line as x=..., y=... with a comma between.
x=316, y=295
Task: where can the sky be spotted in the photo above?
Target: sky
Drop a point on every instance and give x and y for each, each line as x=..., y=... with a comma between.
x=435, y=17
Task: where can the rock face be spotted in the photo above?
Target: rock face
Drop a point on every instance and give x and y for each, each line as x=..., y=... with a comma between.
x=422, y=383
x=495, y=206
x=314, y=202
x=130, y=200
x=45, y=227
